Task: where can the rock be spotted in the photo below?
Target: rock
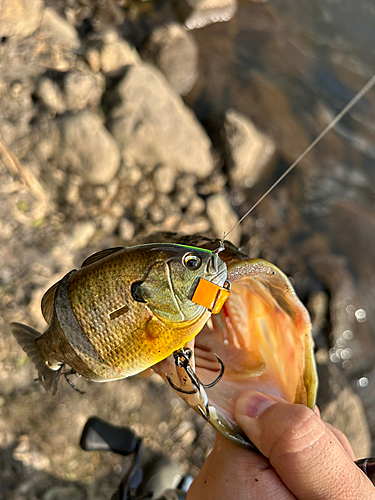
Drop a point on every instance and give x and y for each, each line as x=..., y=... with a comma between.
x=81, y=235
x=196, y=206
x=223, y=217
x=64, y=493
x=200, y=13
x=88, y=148
x=20, y=17
x=175, y=52
x=185, y=190
x=92, y=56
x=126, y=229
x=60, y=39
x=25, y=453
x=346, y=413
x=164, y=179
x=82, y=89
x=247, y=151
x=153, y=126
x=194, y=225
x=116, y=55
x=50, y=94
x=58, y=30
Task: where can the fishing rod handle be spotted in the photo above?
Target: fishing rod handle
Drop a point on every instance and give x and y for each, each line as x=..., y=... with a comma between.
x=367, y=465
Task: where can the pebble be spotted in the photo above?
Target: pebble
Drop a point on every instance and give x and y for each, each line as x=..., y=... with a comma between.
x=164, y=179
x=50, y=94
x=174, y=51
x=82, y=89
x=20, y=17
x=126, y=229
x=88, y=148
x=196, y=206
x=82, y=234
x=153, y=126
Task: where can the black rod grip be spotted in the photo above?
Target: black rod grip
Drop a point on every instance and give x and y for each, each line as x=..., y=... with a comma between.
x=98, y=435
x=367, y=465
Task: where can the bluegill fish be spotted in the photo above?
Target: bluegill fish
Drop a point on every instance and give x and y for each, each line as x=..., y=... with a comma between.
x=262, y=335
x=124, y=311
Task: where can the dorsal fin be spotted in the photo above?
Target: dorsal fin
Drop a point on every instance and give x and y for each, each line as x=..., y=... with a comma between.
x=100, y=255
x=47, y=303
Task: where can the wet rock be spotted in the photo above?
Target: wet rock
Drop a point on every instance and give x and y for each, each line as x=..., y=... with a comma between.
x=20, y=17
x=175, y=52
x=153, y=126
x=247, y=150
x=200, y=13
x=50, y=94
x=82, y=89
x=223, y=217
x=88, y=148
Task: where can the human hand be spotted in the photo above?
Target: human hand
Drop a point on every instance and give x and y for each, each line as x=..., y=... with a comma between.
x=306, y=458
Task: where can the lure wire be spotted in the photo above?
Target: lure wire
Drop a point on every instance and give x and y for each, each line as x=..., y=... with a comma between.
x=325, y=131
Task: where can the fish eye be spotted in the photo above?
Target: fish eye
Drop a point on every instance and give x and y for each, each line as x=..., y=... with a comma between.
x=192, y=261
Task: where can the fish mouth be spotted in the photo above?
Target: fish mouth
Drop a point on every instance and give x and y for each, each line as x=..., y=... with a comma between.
x=262, y=335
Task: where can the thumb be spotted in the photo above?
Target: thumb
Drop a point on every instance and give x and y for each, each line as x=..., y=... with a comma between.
x=303, y=450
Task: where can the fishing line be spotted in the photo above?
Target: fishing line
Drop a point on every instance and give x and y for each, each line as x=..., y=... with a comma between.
x=325, y=131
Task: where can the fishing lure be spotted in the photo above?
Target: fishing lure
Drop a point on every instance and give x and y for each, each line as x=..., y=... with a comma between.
x=125, y=310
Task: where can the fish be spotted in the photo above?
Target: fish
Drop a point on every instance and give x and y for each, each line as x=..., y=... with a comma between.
x=262, y=335
x=123, y=311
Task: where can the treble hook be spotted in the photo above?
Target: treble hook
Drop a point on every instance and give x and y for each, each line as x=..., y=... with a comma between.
x=182, y=360
x=72, y=372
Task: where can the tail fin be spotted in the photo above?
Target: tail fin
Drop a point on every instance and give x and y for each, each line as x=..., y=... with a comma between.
x=26, y=337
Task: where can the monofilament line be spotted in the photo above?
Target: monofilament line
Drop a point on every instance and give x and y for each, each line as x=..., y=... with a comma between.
x=342, y=113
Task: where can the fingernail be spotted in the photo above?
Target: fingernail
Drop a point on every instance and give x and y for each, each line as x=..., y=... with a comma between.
x=253, y=404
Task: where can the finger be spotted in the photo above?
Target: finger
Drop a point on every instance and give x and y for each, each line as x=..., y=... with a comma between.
x=340, y=436
x=231, y=472
x=303, y=450
x=343, y=440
